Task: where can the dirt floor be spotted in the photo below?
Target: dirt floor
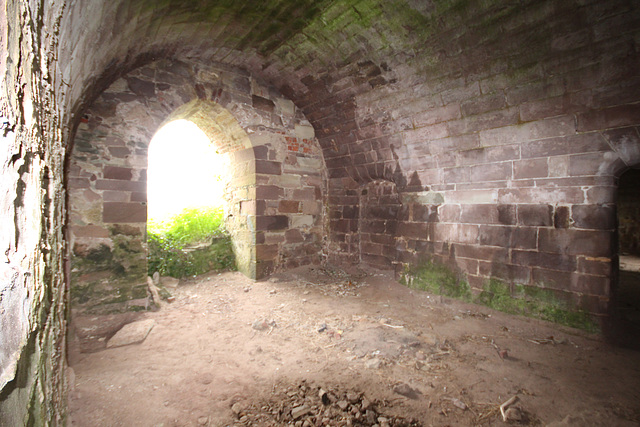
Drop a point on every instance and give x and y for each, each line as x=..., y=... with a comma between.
x=318, y=346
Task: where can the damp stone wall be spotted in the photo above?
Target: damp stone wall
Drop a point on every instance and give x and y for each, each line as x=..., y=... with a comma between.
x=274, y=186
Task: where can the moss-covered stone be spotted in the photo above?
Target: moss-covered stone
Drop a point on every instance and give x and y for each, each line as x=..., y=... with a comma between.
x=438, y=279
x=515, y=299
x=534, y=302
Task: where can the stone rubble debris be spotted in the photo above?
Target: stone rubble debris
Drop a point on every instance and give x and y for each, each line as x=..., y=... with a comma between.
x=307, y=405
x=263, y=324
x=406, y=391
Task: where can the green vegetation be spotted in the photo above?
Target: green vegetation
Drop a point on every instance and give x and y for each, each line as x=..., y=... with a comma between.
x=438, y=279
x=516, y=299
x=190, y=243
x=533, y=302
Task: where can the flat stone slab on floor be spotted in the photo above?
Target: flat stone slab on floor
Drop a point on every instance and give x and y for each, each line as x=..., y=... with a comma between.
x=132, y=333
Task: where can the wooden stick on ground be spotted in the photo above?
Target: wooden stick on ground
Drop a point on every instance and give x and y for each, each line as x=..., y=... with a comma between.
x=505, y=405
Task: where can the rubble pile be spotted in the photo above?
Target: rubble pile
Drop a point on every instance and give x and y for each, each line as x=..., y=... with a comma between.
x=307, y=405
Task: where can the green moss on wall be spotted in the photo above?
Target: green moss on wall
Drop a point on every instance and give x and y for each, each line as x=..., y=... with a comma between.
x=515, y=299
x=438, y=279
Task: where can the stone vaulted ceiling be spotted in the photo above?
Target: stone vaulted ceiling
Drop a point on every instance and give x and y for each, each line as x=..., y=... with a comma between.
x=486, y=135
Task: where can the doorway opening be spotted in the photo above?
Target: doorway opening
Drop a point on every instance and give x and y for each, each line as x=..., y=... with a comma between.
x=186, y=233
x=627, y=293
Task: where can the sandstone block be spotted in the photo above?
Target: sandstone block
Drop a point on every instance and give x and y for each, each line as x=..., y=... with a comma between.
x=266, y=252
x=108, y=184
x=535, y=215
x=268, y=167
x=304, y=194
x=533, y=258
x=590, y=285
x=132, y=333
x=551, y=278
x=482, y=252
x=272, y=222
x=532, y=168
x=312, y=207
x=263, y=104
x=549, y=128
x=613, y=117
x=302, y=221
x=504, y=271
x=594, y=217
x=289, y=206
x=118, y=212
x=455, y=233
x=591, y=243
x=508, y=236
x=269, y=192
x=293, y=236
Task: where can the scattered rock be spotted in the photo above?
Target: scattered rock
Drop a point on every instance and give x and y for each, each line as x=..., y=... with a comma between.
x=132, y=333
x=459, y=404
x=153, y=289
x=156, y=278
x=374, y=363
x=513, y=415
x=365, y=404
x=430, y=339
x=263, y=324
x=299, y=411
x=322, y=328
x=324, y=397
x=404, y=390
x=306, y=405
x=237, y=408
x=353, y=397
x=203, y=421
x=247, y=289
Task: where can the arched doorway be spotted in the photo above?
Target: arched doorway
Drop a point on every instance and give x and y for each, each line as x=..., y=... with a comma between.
x=626, y=293
x=274, y=189
x=185, y=171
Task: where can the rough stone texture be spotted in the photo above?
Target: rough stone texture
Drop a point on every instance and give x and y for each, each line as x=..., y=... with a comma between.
x=270, y=157
x=530, y=106
x=379, y=210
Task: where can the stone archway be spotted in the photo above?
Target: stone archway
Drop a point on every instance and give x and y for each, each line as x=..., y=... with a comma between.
x=274, y=190
x=625, y=285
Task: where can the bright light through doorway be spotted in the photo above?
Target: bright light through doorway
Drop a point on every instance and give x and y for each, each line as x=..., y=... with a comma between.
x=184, y=171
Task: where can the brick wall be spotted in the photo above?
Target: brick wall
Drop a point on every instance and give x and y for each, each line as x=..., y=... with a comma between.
x=505, y=148
x=274, y=196
x=503, y=126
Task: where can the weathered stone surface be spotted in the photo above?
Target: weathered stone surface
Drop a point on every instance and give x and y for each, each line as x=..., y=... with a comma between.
x=115, y=212
x=273, y=222
x=544, y=87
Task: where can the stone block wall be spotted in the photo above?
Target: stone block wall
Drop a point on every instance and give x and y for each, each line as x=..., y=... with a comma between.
x=506, y=166
x=33, y=295
x=274, y=185
x=380, y=212
x=504, y=127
